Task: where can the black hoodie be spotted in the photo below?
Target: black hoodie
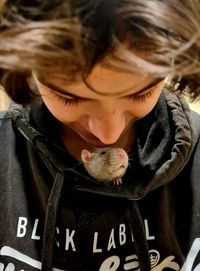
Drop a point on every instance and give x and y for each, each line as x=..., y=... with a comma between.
x=54, y=216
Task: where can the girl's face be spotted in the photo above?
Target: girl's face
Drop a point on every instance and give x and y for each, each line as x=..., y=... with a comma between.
x=105, y=117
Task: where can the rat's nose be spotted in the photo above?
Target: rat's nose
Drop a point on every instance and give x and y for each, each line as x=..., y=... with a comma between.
x=121, y=154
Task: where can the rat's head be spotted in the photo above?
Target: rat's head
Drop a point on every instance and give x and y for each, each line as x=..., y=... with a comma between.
x=105, y=164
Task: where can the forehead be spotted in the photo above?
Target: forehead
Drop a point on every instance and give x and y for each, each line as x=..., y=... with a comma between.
x=115, y=81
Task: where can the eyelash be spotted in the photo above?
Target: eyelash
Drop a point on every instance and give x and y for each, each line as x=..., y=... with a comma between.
x=76, y=101
x=142, y=97
x=66, y=101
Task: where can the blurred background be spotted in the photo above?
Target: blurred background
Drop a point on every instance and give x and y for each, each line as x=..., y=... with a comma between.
x=4, y=102
x=195, y=106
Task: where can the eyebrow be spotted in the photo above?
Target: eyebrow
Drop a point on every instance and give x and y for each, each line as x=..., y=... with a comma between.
x=66, y=93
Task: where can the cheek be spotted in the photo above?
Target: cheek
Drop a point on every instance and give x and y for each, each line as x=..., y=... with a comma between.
x=61, y=111
x=140, y=109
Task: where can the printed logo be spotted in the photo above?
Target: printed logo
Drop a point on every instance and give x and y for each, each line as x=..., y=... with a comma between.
x=132, y=263
x=192, y=256
x=154, y=257
x=118, y=237
x=13, y=253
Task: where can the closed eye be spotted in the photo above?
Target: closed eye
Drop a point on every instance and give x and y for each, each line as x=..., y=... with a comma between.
x=70, y=99
x=76, y=100
x=142, y=97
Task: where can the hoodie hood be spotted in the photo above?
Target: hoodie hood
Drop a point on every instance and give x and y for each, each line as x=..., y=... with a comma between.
x=165, y=140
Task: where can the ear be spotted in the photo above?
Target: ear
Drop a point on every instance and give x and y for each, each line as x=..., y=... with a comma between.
x=86, y=156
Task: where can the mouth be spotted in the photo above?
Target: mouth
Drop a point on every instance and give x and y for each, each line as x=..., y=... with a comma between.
x=93, y=140
x=119, y=170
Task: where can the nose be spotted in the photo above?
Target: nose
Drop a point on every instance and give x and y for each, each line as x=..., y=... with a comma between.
x=121, y=154
x=108, y=126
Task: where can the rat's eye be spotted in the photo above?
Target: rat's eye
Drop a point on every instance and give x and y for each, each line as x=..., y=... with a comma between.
x=103, y=152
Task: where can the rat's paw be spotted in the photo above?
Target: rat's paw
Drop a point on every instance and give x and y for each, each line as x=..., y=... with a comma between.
x=117, y=181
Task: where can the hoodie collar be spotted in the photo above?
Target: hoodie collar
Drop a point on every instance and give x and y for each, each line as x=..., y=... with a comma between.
x=162, y=147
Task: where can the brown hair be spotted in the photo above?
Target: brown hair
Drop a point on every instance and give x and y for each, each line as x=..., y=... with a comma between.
x=71, y=36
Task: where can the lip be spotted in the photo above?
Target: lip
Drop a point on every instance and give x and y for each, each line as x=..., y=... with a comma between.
x=93, y=140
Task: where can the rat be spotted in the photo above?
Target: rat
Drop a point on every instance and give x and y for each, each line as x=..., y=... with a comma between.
x=106, y=164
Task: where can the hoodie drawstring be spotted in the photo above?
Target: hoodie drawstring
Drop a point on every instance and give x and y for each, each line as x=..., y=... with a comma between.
x=50, y=222
x=141, y=246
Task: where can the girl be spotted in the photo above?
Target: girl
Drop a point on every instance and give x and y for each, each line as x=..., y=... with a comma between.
x=89, y=74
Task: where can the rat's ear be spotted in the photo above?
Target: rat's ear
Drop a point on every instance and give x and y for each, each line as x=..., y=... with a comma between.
x=86, y=156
